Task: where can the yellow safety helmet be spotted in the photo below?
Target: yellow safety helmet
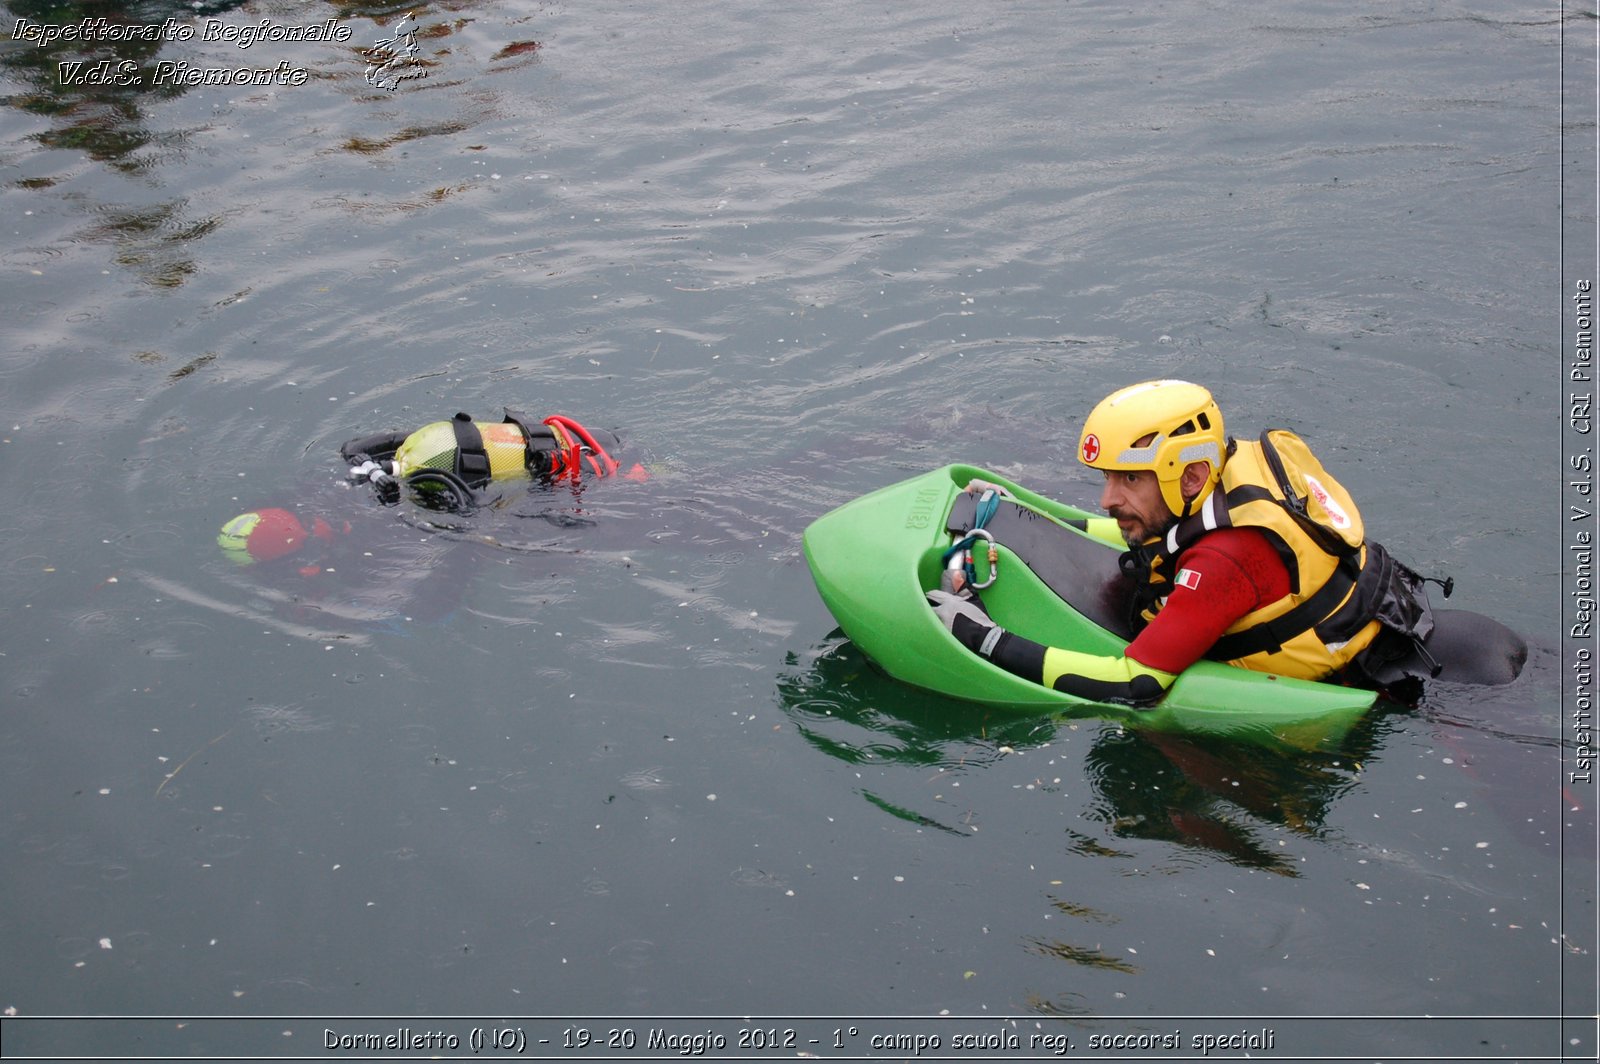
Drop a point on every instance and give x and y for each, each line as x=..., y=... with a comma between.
x=1183, y=423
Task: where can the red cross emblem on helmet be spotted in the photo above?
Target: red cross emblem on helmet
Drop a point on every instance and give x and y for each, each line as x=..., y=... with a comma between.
x=1091, y=447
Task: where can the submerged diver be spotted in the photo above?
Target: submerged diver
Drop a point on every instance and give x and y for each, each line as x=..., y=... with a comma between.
x=445, y=465
x=1247, y=552
x=453, y=460
x=348, y=567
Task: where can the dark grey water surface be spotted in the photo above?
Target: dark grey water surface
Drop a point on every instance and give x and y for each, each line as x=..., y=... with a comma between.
x=521, y=766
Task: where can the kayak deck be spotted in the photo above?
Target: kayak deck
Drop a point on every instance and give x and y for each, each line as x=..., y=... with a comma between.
x=875, y=558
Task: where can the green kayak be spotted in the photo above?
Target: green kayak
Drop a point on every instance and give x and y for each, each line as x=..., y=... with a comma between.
x=1056, y=581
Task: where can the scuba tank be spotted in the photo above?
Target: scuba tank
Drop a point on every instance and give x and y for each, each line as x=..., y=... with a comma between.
x=449, y=462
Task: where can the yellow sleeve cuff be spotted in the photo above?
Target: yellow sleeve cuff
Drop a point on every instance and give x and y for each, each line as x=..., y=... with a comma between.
x=1102, y=677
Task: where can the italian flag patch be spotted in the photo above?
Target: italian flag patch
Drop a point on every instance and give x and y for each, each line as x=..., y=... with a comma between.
x=1187, y=578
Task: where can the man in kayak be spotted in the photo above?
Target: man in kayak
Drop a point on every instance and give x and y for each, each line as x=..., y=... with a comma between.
x=1247, y=552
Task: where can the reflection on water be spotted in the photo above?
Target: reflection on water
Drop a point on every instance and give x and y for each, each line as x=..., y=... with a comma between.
x=102, y=115
x=96, y=95
x=847, y=709
x=1219, y=796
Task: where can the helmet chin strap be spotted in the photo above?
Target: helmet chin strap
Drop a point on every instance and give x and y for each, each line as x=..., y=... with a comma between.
x=1211, y=481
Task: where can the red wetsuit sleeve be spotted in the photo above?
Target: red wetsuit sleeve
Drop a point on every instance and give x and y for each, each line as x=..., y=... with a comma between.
x=1223, y=577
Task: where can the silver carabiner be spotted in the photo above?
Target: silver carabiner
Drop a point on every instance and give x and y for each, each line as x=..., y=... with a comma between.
x=994, y=558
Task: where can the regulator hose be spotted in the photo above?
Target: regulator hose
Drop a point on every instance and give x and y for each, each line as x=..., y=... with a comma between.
x=462, y=497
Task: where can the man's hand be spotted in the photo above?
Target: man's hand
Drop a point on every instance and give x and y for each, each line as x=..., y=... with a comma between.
x=948, y=607
x=963, y=614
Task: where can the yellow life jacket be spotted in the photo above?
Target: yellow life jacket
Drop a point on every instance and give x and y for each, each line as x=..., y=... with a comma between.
x=1343, y=590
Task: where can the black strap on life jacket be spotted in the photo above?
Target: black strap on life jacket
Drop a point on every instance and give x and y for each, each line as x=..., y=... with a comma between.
x=1138, y=564
x=472, y=460
x=1270, y=636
